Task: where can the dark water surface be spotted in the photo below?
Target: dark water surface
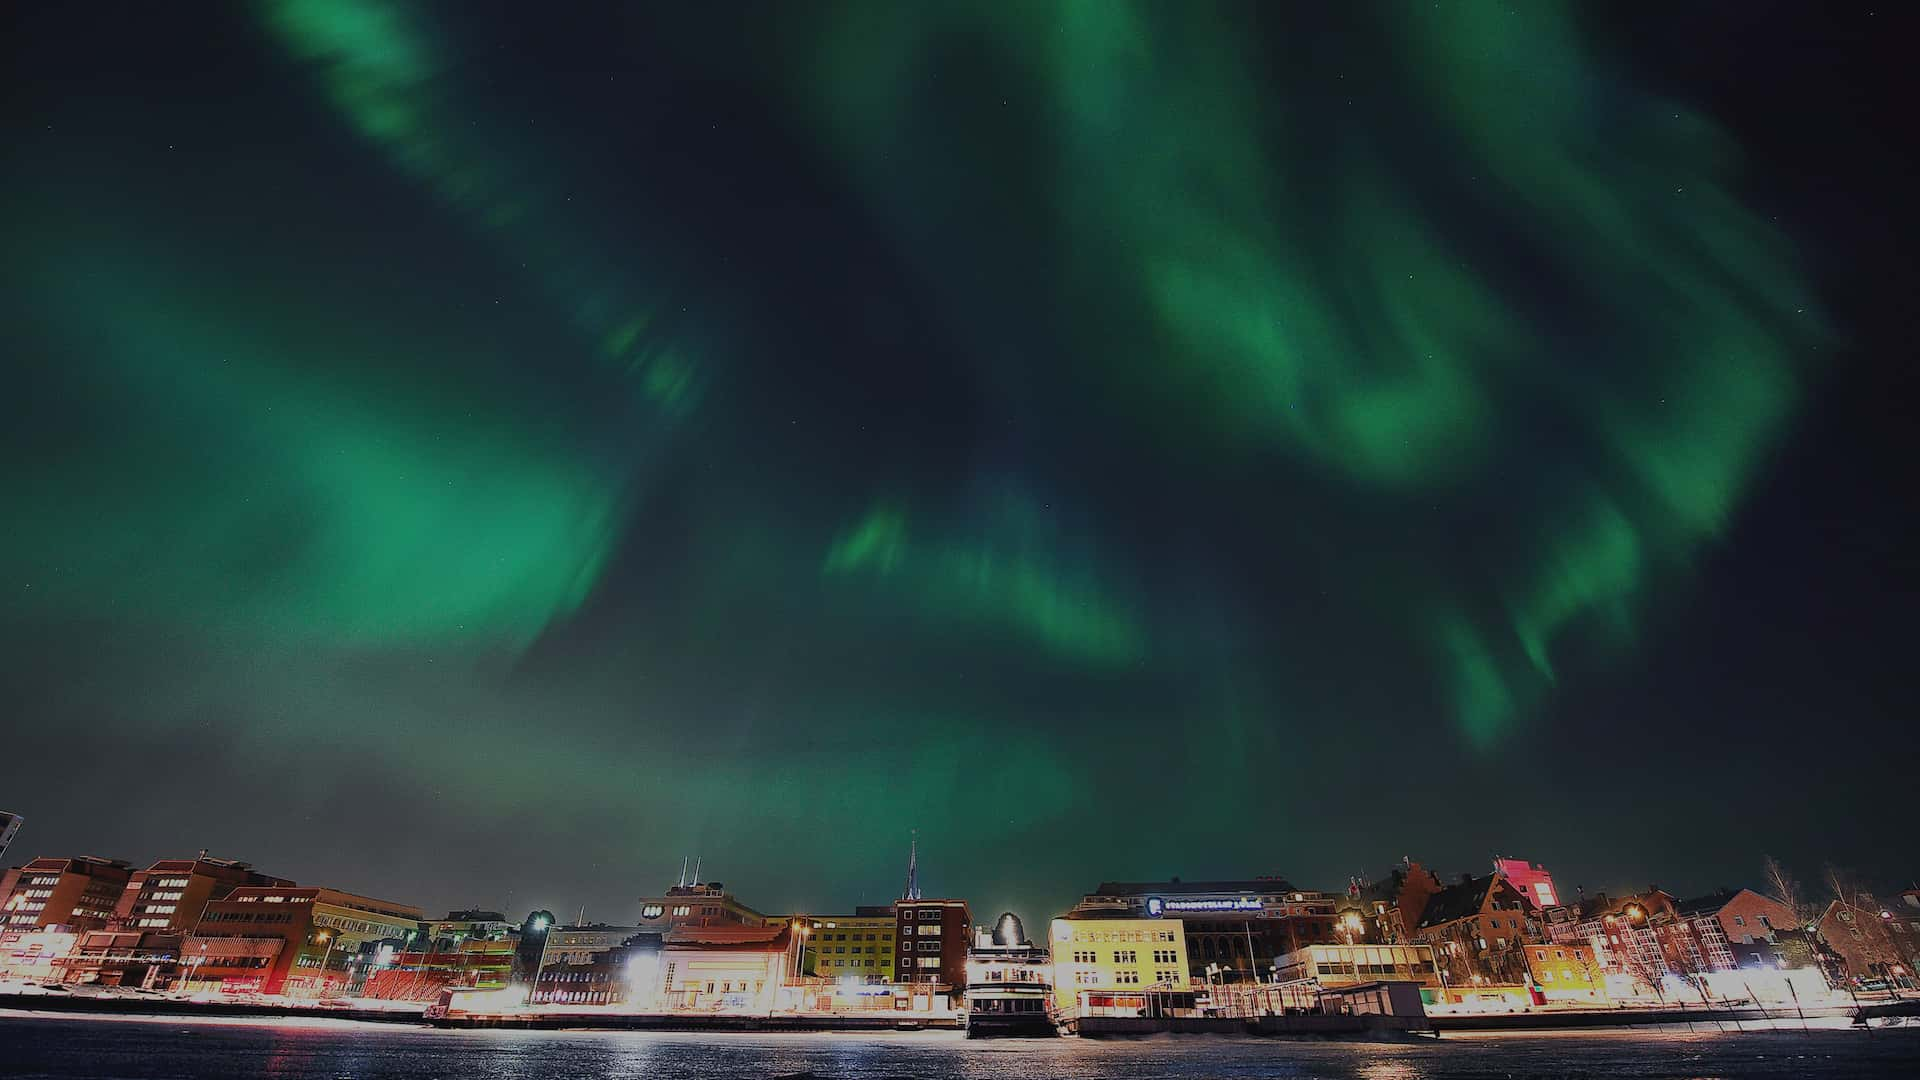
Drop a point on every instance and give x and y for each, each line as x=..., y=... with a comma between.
x=32, y=1046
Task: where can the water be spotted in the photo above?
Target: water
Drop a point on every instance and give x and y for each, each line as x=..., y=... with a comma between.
x=33, y=1046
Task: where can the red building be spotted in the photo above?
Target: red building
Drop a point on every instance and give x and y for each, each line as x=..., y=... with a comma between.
x=170, y=895
x=1751, y=922
x=1531, y=879
x=1860, y=935
x=290, y=940
x=1477, y=928
x=932, y=937
x=79, y=893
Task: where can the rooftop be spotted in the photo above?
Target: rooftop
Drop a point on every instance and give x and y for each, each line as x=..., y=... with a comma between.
x=1175, y=886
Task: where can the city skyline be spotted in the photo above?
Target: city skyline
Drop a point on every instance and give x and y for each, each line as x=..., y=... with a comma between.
x=482, y=456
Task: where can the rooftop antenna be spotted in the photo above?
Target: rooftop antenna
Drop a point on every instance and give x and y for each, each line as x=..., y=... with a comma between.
x=696, y=871
x=683, y=871
x=913, y=869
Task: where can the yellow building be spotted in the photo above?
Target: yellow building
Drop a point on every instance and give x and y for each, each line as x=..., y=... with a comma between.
x=1566, y=972
x=1110, y=965
x=858, y=947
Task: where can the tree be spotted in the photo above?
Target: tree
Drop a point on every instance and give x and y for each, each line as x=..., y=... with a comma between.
x=1779, y=886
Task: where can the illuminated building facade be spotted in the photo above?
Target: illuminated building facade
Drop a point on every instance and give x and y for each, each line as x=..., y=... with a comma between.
x=1237, y=928
x=1645, y=937
x=300, y=941
x=78, y=893
x=35, y=955
x=170, y=895
x=725, y=968
x=1351, y=965
x=1531, y=879
x=1751, y=923
x=580, y=945
x=858, y=946
x=698, y=904
x=142, y=958
x=1566, y=973
x=419, y=974
x=1477, y=928
x=931, y=940
x=621, y=975
x=1107, y=961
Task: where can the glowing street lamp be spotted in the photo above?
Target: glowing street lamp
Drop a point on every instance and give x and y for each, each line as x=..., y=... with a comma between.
x=1350, y=922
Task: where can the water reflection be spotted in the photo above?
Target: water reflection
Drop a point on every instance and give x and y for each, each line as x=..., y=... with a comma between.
x=72, y=1048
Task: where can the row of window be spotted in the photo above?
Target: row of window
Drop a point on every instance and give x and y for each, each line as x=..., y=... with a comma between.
x=248, y=917
x=1080, y=934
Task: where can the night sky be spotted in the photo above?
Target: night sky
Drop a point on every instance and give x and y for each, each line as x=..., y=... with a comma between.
x=478, y=456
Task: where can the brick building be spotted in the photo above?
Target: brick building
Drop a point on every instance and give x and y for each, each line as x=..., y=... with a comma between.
x=1859, y=935
x=170, y=895
x=1752, y=924
x=1477, y=928
x=301, y=941
x=79, y=893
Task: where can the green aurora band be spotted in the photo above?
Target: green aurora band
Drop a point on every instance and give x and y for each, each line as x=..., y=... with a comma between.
x=1233, y=272
x=1480, y=345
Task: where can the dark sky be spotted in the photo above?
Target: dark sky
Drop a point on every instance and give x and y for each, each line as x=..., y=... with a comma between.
x=478, y=456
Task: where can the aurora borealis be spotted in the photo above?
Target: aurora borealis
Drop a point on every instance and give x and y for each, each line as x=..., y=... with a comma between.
x=457, y=451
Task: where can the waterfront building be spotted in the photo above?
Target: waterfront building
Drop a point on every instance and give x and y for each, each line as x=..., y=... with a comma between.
x=35, y=955
x=1532, y=879
x=1353, y=965
x=857, y=947
x=1646, y=938
x=1750, y=922
x=1858, y=934
x=421, y=973
x=77, y=893
x=1235, y=928
x=1477, y=928
x=623, y=975
x=1108, y=961
x=578, y=946
x=720, y=968
x=148, y=959
x=294, y=940
x=1391, y=907
x=932, y=937
x=170, y=895
x=469, y=925
x=1566, y=973
x=698, y=903
x=1009, y=982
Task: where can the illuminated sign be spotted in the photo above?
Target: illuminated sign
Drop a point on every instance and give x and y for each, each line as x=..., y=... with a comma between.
x=1157, y=907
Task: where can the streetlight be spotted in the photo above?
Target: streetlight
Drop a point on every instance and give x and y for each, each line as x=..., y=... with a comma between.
x=1350, y=922
x=326, y=957
x=193, y=966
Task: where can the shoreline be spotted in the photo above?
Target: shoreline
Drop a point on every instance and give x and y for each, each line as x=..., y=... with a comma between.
x=1822, y=1018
